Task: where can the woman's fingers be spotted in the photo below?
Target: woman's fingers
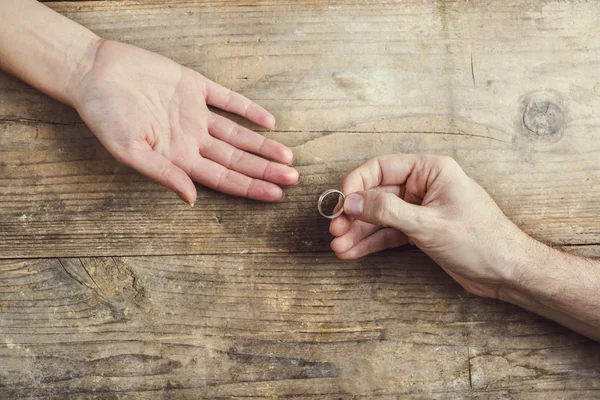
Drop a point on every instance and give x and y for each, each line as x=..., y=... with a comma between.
x=154, y=165
x=357, y=232
x=386, y=238
x=228, y=100
x=222, y=179
x=245, y=139
x=248, y=164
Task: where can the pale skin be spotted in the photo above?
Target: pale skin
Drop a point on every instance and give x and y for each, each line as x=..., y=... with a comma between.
x=152, y=114
x=149, y=112
x=430, y=202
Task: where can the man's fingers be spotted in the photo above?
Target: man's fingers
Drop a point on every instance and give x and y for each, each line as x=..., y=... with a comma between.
x=217, y=177
x=340, y=225
x=357, y=232
x=154, y=165
x=245, y=139
x=247, y=163
x=385, y=209
x=383, y=239
x=228, y=100
x=373, y=172
x=415, y=171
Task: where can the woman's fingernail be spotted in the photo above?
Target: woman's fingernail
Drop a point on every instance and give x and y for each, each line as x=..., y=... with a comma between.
x=354, y=204
x=186, y=201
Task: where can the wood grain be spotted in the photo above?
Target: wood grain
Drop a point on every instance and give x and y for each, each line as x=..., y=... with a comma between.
x=347, y=81
x=135, y=295
x=302, y=326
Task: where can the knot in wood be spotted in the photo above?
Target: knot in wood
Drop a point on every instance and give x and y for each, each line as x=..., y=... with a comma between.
x=543, y=117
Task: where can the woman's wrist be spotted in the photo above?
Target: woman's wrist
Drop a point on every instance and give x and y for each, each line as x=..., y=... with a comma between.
x=53, y=60
x=80, y=63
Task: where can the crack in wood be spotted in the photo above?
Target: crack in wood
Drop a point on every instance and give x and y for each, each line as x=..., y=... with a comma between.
x=472, y=70
x=71, y=275
x=327, y=133
x=469, y=361
x=274, y=252
x=324, y=132
x=29, y=121
x=135, y=285
x=90, y=275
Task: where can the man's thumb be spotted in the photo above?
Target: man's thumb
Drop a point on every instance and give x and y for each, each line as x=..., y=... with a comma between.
x=384, y=209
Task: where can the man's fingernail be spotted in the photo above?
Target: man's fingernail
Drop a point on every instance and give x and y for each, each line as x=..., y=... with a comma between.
x=354, y=204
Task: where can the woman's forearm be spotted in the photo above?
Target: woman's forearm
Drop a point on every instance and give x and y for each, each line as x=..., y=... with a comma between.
x=43, y=48
x=558, y=286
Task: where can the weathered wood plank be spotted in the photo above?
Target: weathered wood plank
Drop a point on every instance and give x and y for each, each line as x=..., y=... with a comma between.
x=265, y=325
x=347, y=81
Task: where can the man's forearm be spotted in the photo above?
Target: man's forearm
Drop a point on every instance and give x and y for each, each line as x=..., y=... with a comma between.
x=43, y=48
x=558, y=286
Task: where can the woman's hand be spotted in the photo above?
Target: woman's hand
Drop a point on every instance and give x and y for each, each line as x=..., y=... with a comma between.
x=151, y=114
x=429, y=201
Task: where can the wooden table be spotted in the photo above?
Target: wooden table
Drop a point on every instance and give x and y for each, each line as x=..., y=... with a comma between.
x=111, y=287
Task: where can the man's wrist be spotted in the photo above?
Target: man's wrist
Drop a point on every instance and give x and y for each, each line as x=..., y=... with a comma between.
x=528, y=266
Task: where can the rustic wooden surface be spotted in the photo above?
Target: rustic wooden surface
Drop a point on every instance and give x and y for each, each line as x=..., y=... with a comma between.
x=111, y=287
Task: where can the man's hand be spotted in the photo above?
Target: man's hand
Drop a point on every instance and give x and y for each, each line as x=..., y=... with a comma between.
x=429, y=201
x=151, y=114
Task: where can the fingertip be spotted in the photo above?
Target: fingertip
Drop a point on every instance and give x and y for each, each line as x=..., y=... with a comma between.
x=287, y=156
x=347, y=256
x=260, y=116
x=292, y=177
x=280, y=174
x=269, y=120
x=267, y=192
x=193, y=199
x=298, y=180
x=334, y=245
x=188, y=193
x=275, y=194
x=352, y=183
x=332, y=228
x=340, y=225
x=276, y=151
x=339, y=245
x=354, y=204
